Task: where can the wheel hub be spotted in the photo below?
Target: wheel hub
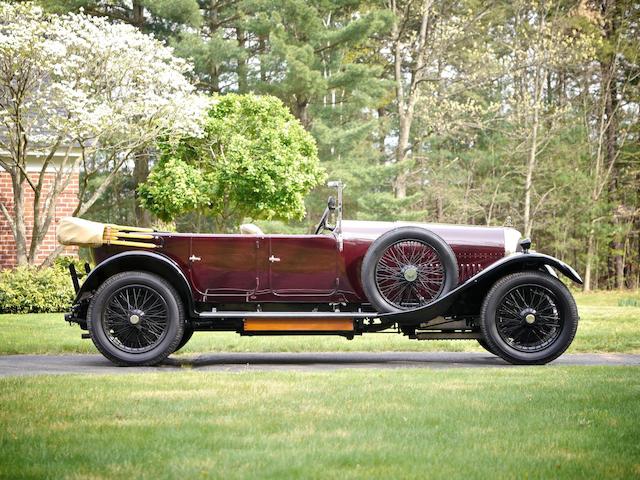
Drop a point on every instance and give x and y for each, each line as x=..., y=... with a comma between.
x=135, y=317
x=410, y=273
x=528, y=315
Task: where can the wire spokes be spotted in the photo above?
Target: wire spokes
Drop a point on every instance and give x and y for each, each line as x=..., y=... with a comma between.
x=528, y=318
x=409, y=274
x=135, y=319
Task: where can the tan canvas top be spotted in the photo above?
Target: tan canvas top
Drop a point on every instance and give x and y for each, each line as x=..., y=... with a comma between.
x=85, y=233
x=77, y=231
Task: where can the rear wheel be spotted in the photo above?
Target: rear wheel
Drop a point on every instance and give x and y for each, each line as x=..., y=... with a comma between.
x=408, y=267
x=528, y=318
x=136, y=318
x=188, y=333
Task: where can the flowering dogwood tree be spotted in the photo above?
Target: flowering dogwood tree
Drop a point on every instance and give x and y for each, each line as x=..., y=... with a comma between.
x=79, y=83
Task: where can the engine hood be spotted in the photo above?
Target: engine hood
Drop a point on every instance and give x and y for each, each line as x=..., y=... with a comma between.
x=457, y=236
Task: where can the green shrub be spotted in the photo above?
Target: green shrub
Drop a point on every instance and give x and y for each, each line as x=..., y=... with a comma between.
x=32, y=290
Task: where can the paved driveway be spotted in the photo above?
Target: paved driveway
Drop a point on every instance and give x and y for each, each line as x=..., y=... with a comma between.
x=12, y=365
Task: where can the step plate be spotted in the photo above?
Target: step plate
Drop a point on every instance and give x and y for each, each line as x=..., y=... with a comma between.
x=298, y=325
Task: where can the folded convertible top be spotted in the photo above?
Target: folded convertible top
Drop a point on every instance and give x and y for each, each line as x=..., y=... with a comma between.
x=85, y=233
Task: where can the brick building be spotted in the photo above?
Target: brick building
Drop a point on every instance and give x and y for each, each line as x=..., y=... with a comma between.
x=66, y=204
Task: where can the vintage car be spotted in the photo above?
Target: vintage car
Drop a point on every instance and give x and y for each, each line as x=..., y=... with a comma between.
x=150, y=290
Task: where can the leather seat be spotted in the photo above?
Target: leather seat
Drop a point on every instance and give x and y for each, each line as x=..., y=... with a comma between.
x=250, y=229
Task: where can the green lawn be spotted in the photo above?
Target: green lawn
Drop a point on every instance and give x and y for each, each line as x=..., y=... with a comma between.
x=532, y=422
x=605, y=326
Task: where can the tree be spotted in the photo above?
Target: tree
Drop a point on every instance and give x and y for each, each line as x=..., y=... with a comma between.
x=614, y=114
x=255, y=160
x=75, y=80
x=543, y=42
x=164, y=19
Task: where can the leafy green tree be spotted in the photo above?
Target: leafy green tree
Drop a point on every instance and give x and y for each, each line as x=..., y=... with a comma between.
x=255, y=160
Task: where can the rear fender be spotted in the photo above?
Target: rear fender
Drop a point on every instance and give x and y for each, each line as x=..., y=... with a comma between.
x=516, y=262
x=135, y=260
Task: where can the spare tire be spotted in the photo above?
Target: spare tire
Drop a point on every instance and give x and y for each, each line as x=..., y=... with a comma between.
x=406, y=268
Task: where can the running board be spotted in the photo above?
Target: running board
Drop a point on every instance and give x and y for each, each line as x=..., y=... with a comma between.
x=448, y=336
x=294, y=315
x=298, y=325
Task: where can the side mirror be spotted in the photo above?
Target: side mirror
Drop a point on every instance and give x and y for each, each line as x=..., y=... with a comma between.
x=331, y=203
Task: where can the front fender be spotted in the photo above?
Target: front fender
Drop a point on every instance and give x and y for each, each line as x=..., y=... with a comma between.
x=137, y=260
x=516, y=262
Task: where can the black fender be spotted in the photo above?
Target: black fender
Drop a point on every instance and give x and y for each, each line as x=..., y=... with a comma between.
x=516, y=262
x=135, y=260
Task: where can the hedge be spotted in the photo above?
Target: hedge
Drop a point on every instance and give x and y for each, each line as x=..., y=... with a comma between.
x=28, y=289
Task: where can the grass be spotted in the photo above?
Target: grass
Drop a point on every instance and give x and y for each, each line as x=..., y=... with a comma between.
x=545, y=422
x=610, y=322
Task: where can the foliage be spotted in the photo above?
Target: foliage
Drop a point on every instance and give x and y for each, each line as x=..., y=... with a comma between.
x=254, y=160
x=81, y=82
x=30, y=290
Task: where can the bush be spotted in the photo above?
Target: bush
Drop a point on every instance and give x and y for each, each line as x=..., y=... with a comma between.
x=32, y=290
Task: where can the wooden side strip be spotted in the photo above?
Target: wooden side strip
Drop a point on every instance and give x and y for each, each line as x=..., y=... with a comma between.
x=298, y=324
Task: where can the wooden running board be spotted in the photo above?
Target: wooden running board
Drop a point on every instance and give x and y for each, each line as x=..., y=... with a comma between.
x=298, y=325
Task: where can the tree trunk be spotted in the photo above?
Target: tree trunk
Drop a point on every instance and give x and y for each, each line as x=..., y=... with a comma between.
x=531, y=165
x=406, y=101
x=140, y=174
x=301, y=112
x=214, y=73
x=439, y=209
x=589, y=261
x=243, y=83
x=138, y=14
x=262, y=41
x=610, y=93
x=17, y=183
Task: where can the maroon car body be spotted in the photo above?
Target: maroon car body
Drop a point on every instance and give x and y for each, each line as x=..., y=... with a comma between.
x=332, y=282
x=232, y=268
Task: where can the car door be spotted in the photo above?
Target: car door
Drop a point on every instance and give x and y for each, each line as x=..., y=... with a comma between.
x=224, y=267
x=303, y=265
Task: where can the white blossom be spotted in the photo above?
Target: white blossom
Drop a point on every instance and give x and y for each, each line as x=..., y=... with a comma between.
x=87, y=80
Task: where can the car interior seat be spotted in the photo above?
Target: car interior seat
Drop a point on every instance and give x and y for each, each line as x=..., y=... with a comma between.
x=250, y=229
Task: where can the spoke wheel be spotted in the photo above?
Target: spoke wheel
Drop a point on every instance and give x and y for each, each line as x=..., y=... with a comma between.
x=135, y=320
x=409, y=274
x=528, y=318
x=407, y=268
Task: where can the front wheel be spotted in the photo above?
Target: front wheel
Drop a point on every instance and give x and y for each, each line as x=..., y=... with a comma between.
x=136, y=318
x=528, y=318
x=485, y=345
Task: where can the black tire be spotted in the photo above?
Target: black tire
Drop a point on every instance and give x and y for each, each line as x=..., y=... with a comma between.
x=486, y=346
x=529, y=318
x=435, y=271
x=154, y=305
x=186, y=336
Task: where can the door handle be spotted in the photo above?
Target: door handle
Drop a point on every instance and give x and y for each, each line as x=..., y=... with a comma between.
x=273, y=259
x=193, y=258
